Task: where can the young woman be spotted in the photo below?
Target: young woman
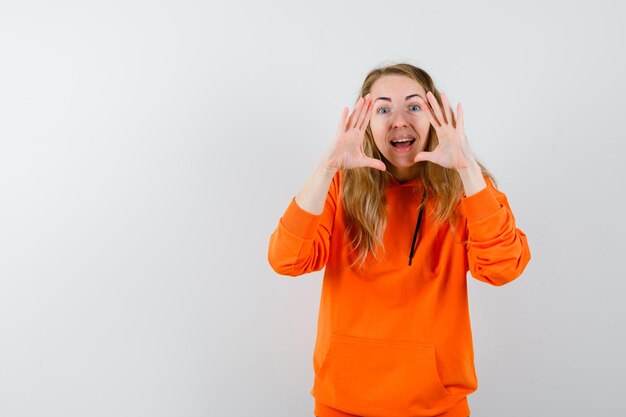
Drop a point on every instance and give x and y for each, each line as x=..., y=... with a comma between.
x=397, y=211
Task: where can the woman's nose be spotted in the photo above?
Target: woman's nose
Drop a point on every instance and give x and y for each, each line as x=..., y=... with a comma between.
x=399, y=120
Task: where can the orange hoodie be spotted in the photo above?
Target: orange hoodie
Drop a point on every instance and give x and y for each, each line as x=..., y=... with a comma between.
x=395, y=340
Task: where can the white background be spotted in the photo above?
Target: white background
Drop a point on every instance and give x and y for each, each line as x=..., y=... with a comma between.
x=148, y=149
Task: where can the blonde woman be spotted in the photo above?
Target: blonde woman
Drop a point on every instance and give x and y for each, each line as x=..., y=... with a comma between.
x=397, y=212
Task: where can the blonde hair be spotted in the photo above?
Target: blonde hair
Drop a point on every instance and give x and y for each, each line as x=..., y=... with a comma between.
x=363, y=189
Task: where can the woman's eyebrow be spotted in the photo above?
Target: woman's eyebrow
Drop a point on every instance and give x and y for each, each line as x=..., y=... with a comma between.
x=406, y=98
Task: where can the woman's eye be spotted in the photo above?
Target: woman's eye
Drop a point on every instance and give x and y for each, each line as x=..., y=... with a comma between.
x=383, y=110
x=415, y=107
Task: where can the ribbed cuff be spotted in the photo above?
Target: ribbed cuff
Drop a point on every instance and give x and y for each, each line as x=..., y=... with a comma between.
x=300, y=222
x=481, y=205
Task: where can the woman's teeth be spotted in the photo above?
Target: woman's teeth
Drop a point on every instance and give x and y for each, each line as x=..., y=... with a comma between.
x=401, y=143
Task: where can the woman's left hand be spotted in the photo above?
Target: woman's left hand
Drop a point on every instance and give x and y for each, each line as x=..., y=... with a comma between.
x=453, y=150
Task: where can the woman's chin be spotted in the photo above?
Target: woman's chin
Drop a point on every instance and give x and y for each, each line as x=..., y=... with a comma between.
x=404, y=171
x=403, y=163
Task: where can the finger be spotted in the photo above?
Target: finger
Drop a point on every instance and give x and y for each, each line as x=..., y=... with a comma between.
x=454, y=123
x=435, y=105
x=363, y=112
x=426, y=107
x=374, y=163
x=368, y=115
x=460, y=118
x=342, y=121
x=355, y=113
x=446, y=105
x=351, y=117
x=424, y=156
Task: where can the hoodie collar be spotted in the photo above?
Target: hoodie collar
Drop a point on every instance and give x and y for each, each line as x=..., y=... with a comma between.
x=411, y=183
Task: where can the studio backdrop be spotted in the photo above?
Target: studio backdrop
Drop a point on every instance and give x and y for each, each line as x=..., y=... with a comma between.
x=148, y=150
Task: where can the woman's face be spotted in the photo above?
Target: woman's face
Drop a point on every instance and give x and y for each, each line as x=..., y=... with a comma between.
x=399, y=126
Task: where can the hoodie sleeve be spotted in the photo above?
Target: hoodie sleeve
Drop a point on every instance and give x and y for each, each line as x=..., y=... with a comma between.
x=301, y=241
x=497, y=251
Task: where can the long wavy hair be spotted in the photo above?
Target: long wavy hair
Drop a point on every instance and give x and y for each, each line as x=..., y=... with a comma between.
x=363, y=189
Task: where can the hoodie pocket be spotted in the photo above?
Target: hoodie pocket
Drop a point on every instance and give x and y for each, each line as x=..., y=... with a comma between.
x=359, y=374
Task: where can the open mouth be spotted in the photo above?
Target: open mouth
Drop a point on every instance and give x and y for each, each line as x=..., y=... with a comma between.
x=402, y=143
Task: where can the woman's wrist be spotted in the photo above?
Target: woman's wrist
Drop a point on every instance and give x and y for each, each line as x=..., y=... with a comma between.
x=325, y=166
x=312, y=196
x=472, y=178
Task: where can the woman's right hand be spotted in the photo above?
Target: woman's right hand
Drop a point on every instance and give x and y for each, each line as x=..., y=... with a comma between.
x=347, y=149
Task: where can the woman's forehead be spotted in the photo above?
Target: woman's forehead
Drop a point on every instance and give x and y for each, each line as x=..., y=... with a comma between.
x=396, y=86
